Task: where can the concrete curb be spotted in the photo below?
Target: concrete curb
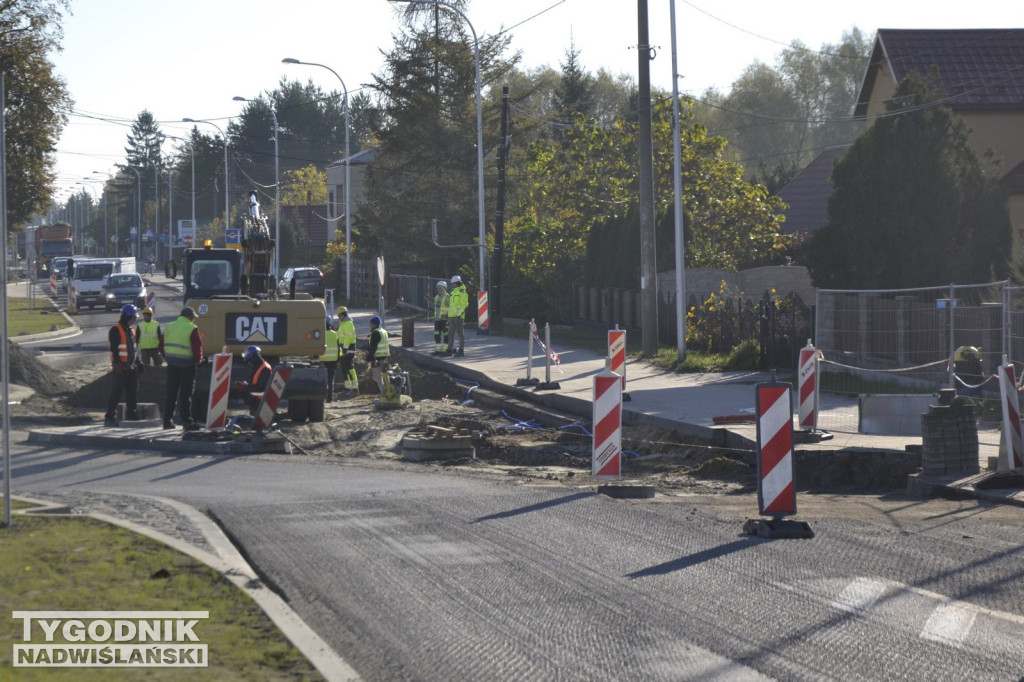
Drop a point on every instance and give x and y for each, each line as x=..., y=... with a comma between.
x=719, y=436
x=227, y=561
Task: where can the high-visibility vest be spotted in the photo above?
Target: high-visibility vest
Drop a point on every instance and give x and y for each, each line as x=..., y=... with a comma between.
x=331, y=353
x=255, y=383
x=383, y=350
x=122, y=347
x=347, y=333
x=441, y=303
x=149, y=334
x=178, y=338
x=459, y=302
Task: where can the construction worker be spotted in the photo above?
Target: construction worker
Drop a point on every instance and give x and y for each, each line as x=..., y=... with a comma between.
x=182, y=348
x=149, y=335
x=257, y=384
x=124, y=362
x=458, y=302
x=331, y=354
x=379, y=352
x=347, y=344
x=441, y=303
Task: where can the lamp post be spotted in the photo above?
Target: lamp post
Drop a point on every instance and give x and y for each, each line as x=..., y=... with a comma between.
x=105, y=241
x=348, y=183
x=138, y=200
x=277, y=191
x=479, y=128
x=98, y=196
x=227, y=209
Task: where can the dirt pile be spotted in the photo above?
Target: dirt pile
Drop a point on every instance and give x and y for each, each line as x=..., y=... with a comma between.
x=27, y=370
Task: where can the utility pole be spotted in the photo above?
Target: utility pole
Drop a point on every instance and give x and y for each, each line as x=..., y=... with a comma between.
x=499, y=217
x=648, y=249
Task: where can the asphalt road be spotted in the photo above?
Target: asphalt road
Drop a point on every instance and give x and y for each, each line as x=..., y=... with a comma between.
x=416, y=573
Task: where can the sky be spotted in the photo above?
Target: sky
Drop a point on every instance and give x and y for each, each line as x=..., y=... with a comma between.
x=191, y=57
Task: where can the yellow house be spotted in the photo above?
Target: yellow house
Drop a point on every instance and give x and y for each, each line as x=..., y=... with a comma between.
x=981, y=72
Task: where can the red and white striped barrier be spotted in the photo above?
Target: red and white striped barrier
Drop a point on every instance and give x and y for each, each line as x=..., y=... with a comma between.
x=72, y=300
x=482, y=314
x=220, y=386
x=271, y=398
x=776, y=491
x=808, y=387
x=53, y=285
x=1012, y=456
x=617, y=353
x=607, y=419
x=151, y=303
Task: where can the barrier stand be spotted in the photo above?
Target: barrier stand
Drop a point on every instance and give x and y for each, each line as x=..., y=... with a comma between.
x=549, y=355
x=1012, y=451
x=72, y=301
x=607, y=419
x=617, y=356
x=530, y=380
x=271, y=398
x=607, y=439
x=810, y=396
x=482, y=315
x=776, y=485
x=53, y=285
x=220, y=386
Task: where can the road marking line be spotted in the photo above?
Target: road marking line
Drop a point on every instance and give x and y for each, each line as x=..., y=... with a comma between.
x=860, y=595
x=949, y=623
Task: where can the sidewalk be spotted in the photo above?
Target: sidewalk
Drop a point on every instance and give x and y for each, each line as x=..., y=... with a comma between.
x=687, y=403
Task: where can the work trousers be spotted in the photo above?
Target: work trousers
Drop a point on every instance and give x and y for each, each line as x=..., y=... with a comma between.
x=181, y=382
x=124, y=383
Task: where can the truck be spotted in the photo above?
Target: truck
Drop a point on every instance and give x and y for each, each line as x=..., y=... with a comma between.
x=89, y=278
x=234, y=295
x=50, y=241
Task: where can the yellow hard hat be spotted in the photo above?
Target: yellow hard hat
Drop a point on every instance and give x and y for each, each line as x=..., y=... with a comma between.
x=147, y=310
x=342, y=310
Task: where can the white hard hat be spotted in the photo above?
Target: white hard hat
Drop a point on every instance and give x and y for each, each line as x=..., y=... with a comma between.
x=442, y=284
x=456, y=279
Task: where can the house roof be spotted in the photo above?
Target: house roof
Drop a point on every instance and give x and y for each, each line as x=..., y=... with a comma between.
x=360, y=158
x=807, y=194
x=977, y=68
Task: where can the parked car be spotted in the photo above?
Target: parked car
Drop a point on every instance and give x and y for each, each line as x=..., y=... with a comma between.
x=306, y=281
x=125, y=287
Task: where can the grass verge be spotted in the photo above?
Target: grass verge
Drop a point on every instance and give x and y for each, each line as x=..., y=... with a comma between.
x=81, y=564
x=42, y=318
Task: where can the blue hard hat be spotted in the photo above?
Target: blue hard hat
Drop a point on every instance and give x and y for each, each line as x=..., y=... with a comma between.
x=375, y=320
x=129, y=310
x=250, y=353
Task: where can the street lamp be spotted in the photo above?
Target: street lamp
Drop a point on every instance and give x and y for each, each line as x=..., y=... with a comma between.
x=277, y=192
x=227, y=210
x=348, y=183
x=105, y=243
x=138, y=200
x=479, y=128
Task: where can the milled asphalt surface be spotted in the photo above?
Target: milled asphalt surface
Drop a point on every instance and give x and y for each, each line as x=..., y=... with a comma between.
x=689, y=403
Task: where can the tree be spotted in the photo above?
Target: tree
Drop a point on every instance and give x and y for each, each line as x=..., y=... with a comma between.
x=36, y=104
x=576, y=220
x=426, y=164
x=304, y=186
x=913, y=205
x=144, y=154
x=777, y=119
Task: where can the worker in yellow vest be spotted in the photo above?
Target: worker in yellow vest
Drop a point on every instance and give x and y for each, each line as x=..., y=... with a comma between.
x=330, y=357
x=441, y=301
x=379, y=352
x=347, y=344
x=150, y=335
